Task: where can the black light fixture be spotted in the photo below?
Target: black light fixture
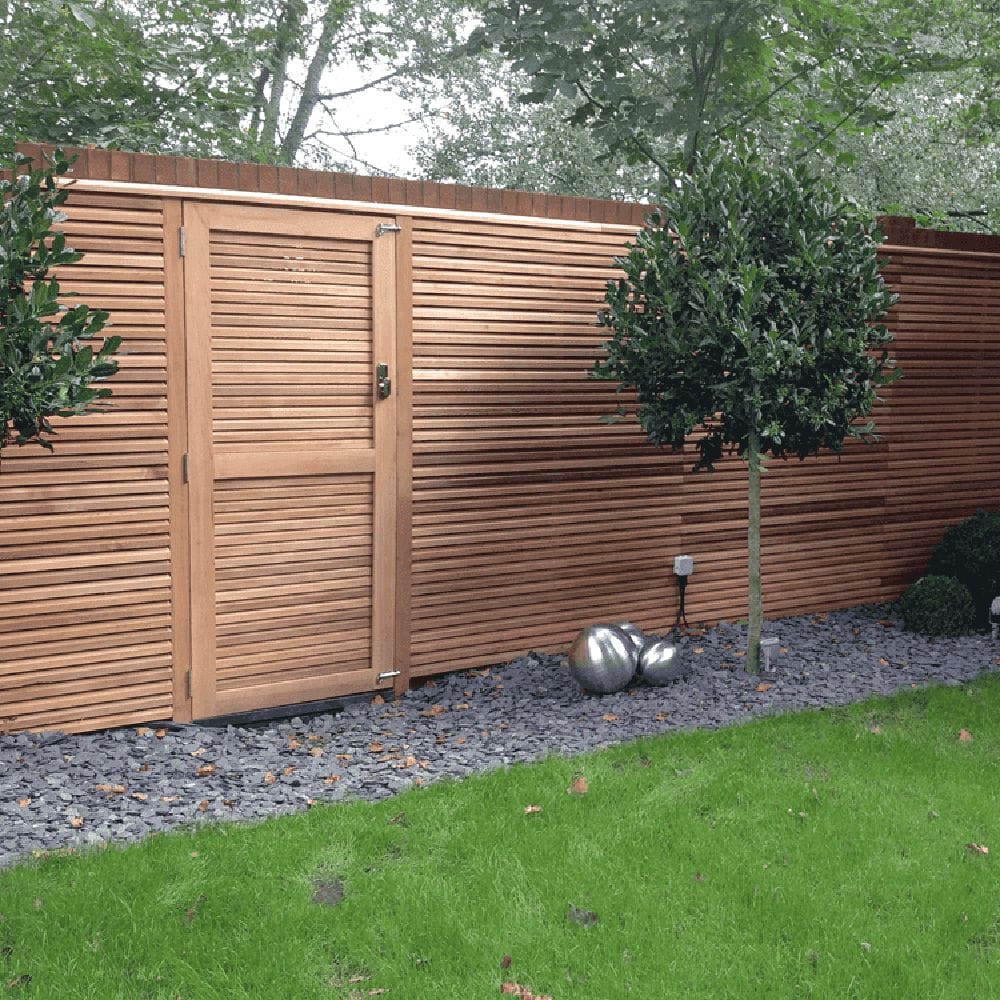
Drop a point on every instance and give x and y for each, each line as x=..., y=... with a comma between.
x=683, y=568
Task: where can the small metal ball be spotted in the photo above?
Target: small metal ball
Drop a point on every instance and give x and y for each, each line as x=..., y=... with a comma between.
x=603, y=659
x=633, y=632
x=662, y=661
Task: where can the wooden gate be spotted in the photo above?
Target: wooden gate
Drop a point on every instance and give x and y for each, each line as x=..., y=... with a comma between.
x=291, y=459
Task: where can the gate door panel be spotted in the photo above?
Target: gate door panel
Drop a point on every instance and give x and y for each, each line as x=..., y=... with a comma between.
x=291, y=455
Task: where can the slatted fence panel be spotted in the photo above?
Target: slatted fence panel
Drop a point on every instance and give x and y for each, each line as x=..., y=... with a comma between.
x=531, y=518
x=85, y=634
x=944, y=447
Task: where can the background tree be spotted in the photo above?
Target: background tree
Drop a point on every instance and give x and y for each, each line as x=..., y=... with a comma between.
x=276, y=81
x=47, y=366
x=746, y=314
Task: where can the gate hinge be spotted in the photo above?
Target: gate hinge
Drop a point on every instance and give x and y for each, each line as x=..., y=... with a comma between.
x=185, y=469
x=387, y=227
x=187, y=683
x=182, y=241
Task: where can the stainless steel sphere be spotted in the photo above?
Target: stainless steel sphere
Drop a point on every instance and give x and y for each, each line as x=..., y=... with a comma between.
x=633, y=632
x=662, y=661
x=603, y=659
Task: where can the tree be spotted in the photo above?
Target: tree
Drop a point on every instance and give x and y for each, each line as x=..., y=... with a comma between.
x=486, y=137
x=747, y=313
x=47, y=366
x=276, y=81
x=153, y=75
x=656, y=79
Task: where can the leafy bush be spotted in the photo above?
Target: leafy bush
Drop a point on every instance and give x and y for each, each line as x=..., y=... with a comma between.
x=970, y=552
x=937, y=605
x=47, y=366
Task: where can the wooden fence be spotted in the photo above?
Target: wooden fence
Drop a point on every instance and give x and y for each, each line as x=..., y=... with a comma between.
x=325, y=537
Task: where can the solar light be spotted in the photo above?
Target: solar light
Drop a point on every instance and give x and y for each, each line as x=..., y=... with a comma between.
x=769, y=649
x=995, y=616
x=683, y=568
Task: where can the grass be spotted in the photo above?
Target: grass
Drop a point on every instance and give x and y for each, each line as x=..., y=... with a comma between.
x=801, y=856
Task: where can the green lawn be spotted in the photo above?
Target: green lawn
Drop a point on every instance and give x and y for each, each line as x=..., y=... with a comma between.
x=816, y=855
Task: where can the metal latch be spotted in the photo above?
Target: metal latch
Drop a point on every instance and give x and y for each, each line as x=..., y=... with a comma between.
x=383, y=383
x=386, y=675
x=387, y=227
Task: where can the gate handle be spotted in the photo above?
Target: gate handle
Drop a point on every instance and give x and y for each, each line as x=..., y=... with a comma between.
x=383, y=383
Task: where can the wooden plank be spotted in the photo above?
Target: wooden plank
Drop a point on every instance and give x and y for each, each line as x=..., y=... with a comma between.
x=403, y=455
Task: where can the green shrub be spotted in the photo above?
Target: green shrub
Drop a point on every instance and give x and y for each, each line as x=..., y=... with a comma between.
x=970, y=552
x=937, y=605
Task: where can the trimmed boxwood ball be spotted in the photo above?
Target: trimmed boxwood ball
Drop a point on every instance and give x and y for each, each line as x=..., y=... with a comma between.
x=970, y=552
x=937, y=605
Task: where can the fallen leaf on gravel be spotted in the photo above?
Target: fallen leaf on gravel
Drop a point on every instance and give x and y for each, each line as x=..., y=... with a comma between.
x=142, y=730
x=293, y=743
x=425, y=764
x=203, y=806
x=76, y=822
x=964, y=736
x=160, y=733
x=698, y=649
x=290, y=769
x=269, y=778
x=579, y=786
x=434, y=710
x=24, y=803
x=315, y=751
x=205, y=770
x=764, y=687
x=532, y=809
x=977, y=848
x=883, y=662
x=200, y=752
x=110, y=789
x=378, y=700
x=460, y=741
x=660, y=717
x=345, y=756
x=609, y=717
x=375, y=747
x=331, y=779
x=462, y=706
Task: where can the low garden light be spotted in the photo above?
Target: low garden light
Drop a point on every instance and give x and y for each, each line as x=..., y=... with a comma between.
x=769, y=653
x=683, y=568
x=995, y=617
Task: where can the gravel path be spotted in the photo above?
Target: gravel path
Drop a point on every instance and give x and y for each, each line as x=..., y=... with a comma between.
x=58, y=790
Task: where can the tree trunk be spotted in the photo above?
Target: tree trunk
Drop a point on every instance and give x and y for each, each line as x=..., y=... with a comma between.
x=310, y=96
x=755, y=611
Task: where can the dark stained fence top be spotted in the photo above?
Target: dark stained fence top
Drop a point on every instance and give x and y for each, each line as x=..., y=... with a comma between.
x=262, y=178
x=144, y=168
